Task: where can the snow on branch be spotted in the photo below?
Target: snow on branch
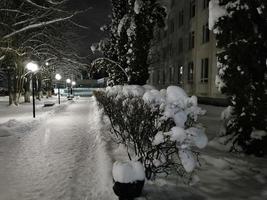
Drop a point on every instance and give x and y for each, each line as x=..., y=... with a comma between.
x=8, y=49
x=38, y=25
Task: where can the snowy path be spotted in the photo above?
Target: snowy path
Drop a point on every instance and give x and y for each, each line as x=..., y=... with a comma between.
x=61, y=158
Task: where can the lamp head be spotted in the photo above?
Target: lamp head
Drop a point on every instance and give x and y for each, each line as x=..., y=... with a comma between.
x=68, y=80
x=33, y=67
x=58, y=77
x=73, y=83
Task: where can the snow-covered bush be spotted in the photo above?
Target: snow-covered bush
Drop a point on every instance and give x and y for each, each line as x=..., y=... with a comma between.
x=160, y=127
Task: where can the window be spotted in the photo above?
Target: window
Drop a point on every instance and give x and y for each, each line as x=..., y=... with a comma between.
x=192, y=8
x=205, y=33
x=171, y=70
x=171, y=26
x=191, y=40
x=180, y=75
x=180, y=47
x=181, y=18
x=205, y=4
x=204, y=70
x=163, y=77
x=158, y=77
x=190, y=72
x=173, y=3
x=164, y=34
x=170, y=50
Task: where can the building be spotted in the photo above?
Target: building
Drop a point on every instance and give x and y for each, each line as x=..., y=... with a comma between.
x=184, y=53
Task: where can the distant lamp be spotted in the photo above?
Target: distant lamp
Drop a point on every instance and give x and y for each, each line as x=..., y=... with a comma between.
x=73, y=83
x=68, y=80
x=58, y=77
x=46, y=63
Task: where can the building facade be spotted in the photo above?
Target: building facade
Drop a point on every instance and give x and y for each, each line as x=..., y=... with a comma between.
x=184, y=53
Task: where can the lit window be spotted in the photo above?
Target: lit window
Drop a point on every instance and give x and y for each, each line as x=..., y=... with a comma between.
x=190, y=72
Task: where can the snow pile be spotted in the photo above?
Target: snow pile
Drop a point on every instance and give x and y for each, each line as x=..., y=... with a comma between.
x=175, y=105
x=128, y=172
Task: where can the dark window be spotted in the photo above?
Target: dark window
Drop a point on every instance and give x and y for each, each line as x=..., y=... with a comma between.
x=192, y=8
x=180, y=47
x=204, y=70
x=158, y=77
x=181, y=18
x=170, y=50
x=205, y=33
x=191, y=40
x=163, y=77
x=173, y=3
x=171, y=26
x=190, y=72
x=164, y=34
x=205, y=4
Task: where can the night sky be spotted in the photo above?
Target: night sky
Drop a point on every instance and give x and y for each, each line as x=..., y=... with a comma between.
x=94, y=18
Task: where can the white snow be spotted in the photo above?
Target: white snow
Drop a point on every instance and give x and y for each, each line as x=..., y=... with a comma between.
x=137, y=6
x=258, y=134
x=158, y=139
x=122, y=24
x=215, y=12
x=177, y=134
x=188, y=161
x=58, y=155
x=128, y=172
x=198, y=136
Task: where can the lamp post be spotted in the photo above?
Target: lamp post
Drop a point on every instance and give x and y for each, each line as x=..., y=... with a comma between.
x=73, y=83
x=58, y=77
x=33, y=67
x=68, y=81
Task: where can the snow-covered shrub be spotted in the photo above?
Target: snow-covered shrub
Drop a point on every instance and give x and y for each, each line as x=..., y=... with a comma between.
x=160, y=127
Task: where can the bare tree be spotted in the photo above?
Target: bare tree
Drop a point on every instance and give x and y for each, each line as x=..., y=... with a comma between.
x=32, y=30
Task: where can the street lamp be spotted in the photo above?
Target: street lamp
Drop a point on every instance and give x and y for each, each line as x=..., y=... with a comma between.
x=68, y=81
x=33, y=67
x=58, y=77
x=73, y=83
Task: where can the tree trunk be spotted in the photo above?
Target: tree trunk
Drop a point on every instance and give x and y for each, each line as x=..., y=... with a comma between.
x=9, y=87
x=27, y=93
x=39, y=87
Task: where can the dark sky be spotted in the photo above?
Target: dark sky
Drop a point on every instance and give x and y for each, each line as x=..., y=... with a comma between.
x=94, y=18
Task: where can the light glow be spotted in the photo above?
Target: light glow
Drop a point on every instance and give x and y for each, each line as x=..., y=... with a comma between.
x=58, y=77
x=33, y=67
x=68, y=80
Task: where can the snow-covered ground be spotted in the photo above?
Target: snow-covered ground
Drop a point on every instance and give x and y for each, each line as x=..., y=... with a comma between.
x=58, y=155
x=66, y=153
